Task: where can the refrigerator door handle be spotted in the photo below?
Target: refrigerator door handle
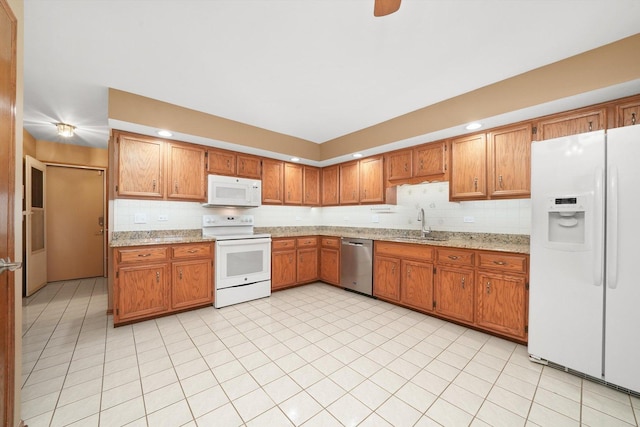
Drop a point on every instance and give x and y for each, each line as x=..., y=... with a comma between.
x=597, y=230
x=612, y=229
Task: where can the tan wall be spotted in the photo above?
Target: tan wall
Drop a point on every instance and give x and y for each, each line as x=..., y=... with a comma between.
x=28, y=144
x=132, y=108
x=54, y=152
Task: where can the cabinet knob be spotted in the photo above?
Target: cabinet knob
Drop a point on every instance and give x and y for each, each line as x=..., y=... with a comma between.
x=180, y=274
x=500, y=181
x=590, y=126
x=176, y=186
x=475, y=184
x=488, y=287
x=633, y=118
x=462, y=283
x=157, y=277
x=408, y=271
x=154, y=185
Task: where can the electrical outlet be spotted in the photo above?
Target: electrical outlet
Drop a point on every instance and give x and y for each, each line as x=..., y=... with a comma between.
x=469, y=219
x=140, y=218
x=163, y=217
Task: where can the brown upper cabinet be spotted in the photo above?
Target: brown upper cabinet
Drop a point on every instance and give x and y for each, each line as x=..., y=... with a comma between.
x=330, y=186
x=427, y=162
x=272, y=182
x=311, y=186
x=224, y=162
x=155, y=169
x=510, y=161
x=292, y=184
x=572, y=123
x=362, y=182
x=628, y=113
x=468, y=168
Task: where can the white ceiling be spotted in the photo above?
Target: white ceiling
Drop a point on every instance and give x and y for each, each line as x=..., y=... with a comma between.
x=314, y=69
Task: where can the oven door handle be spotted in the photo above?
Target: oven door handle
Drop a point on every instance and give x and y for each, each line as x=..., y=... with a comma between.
x=243, y=242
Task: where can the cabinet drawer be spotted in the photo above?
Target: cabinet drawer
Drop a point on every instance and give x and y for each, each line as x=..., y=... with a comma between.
x=455, y=257
x=330, y=242
x=307, y=242
x=506, y=262
x=278, y=245
x=191, y=251
x=138, y=255
x=404, y=250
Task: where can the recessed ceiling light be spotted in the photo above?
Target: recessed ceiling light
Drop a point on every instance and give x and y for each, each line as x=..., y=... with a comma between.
x=473, y=126
x=295, y=159
x=357, y=155
x=164, y=133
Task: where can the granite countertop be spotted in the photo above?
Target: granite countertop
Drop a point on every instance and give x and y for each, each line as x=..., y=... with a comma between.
x=516, y=243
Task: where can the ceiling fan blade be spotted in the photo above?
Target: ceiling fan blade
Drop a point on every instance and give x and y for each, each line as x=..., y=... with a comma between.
x=385, y=7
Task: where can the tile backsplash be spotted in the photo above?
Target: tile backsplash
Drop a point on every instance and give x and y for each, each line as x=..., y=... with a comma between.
x=491, y=216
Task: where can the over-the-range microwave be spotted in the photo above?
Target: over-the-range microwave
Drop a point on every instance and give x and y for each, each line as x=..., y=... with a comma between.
x=231, y=191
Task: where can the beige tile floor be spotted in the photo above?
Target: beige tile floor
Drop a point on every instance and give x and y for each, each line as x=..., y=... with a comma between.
x=312, y=356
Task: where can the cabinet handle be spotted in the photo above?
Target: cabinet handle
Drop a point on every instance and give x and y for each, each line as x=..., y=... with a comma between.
x=180, y=274
x=354, y=195
x=488, y=287
x=176, y=186
x=500, y=181
x=633, y=118
x=421, y=164
x=192, y=251
x=144, y=255
x=475, y=184
x=154, y=185
x=365, y=193
x=590, y=127
x=406, y=167
x=453, y=257
x=228, y=163
x=500, y=262
x=393, y=269
x=290, y=258
x=157, y=277
x=408, y=271
x=463, y=283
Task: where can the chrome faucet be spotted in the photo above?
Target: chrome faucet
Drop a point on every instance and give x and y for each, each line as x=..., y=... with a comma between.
x=421, y=218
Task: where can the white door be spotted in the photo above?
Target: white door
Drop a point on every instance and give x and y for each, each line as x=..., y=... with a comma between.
x=35, y=179
x=566, y=296
x=622, y=345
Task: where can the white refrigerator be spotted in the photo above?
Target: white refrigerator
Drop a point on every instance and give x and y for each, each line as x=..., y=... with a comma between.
x=584, y=297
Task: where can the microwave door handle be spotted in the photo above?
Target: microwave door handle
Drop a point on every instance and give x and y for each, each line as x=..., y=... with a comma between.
x=243, y=242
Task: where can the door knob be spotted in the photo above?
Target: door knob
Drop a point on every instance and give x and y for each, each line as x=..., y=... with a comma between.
x=8, y=265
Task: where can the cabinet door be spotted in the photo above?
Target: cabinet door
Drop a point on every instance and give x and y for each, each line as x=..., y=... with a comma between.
x=510, y=162
x=399, y=165
x=330, y=265
x=272, y=182
x=430, y=160
x=349, y=188
x=249, y=166
x=221, y=162
x=292, y=184
x=311, y=185
x=501, y=303
x=140, y=167
x=386, y=277
x=187, y=172
x=454, y=293
x=283, y=269
x=372, y=180
x=571, y=124
x=416, y=288
x=468, y=168
x=307, y=265
x=629, y=113
x=141, y=291
x=330, y=186
x=191, y=284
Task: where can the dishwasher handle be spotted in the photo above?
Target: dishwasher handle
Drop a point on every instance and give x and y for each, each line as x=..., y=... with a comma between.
x=353, y=243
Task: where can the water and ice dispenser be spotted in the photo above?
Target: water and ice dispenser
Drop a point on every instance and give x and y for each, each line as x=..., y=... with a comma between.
x=567, y=227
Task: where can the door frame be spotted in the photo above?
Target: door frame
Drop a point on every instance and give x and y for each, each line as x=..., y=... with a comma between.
x=7, y=293
x=105, y=203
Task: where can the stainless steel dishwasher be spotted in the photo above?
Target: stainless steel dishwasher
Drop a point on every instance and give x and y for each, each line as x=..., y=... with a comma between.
x=356, y=265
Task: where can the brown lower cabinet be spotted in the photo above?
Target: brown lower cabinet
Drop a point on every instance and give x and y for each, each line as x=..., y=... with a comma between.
x=330, y=260
x=155, y=280
x=294, y=261
x=483, y=289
